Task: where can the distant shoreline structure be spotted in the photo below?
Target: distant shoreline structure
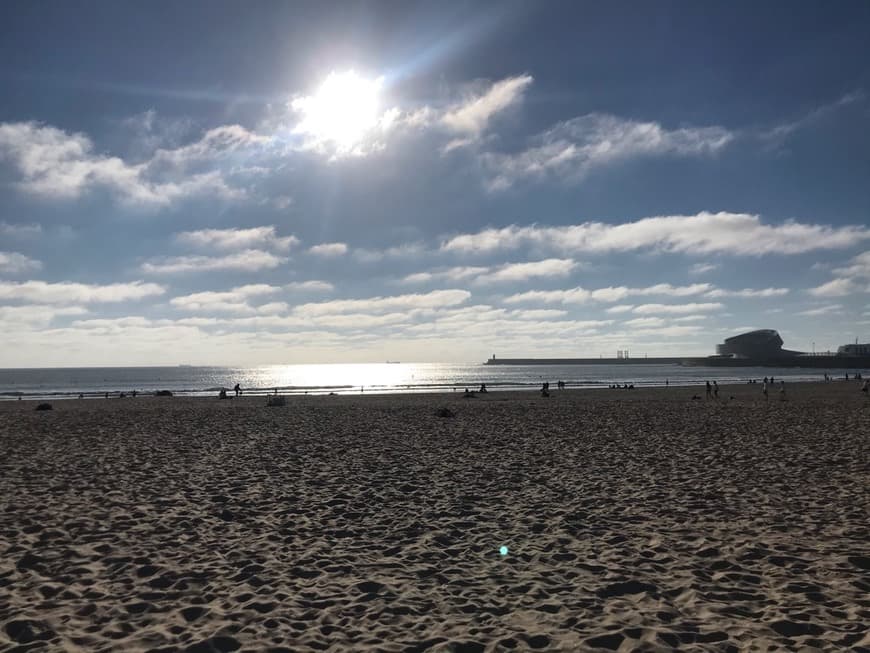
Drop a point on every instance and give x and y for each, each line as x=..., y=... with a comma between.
x=761, y=348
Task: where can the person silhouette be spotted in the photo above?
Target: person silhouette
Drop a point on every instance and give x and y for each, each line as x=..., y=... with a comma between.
x=237, y=389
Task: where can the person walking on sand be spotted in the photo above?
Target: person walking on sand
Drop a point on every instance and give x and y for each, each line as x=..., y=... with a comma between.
x=715, y=390
x=709, y=390
x=764, y=389
x=237, y=389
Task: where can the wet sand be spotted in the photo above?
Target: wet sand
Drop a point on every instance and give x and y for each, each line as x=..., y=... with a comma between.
x=633, y=519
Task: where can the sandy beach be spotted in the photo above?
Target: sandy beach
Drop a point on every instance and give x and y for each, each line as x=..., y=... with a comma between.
x=632, y=520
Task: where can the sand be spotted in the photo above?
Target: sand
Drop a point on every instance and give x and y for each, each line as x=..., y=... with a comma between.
x=634, y=520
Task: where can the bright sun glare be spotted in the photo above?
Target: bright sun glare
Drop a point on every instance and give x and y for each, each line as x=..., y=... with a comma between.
x=344, y=108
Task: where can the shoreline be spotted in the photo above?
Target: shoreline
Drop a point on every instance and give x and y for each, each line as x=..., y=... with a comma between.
x=354, y=391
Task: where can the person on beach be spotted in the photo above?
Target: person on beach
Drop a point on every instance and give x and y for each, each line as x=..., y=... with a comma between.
x=545, y=390
x=715, y=390
x=709, y=390
x=482, y=388
x=237, y=389
x=764, y=388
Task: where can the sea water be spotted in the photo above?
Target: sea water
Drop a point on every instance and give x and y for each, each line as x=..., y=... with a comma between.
x=368, y=378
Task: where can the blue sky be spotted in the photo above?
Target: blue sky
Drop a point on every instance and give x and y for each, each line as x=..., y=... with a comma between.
x=272, y=182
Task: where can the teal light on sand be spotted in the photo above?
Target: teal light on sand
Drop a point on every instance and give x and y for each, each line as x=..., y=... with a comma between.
x=503, y=550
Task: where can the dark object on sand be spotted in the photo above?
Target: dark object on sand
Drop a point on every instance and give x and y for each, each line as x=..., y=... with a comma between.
x=163, y=393
x=43, y=407
x=222, y=394
x=445, y=412
x=696, y=397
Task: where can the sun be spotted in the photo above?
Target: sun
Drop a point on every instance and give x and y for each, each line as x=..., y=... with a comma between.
x=342, y=111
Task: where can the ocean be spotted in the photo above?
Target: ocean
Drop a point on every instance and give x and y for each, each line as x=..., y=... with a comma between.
x=365, y=378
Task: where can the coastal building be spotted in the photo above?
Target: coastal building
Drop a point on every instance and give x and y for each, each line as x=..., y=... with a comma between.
x=760, y=344
x=858, y=349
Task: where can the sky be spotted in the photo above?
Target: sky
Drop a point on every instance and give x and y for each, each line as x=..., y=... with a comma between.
x=226, y=183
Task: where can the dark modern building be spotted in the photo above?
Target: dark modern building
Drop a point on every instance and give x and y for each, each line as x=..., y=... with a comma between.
x=762, y=344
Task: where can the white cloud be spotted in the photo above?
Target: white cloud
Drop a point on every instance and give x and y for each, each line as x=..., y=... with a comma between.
x=229, y=301
x=20, y=230
x=581, y=295
x=572, y=148
x=622, y=308
x=473, y=115
x=55, y=164
x=823, y=310
x=229, y=239
x=450, y=274
x=15, y=263
x=35, y=315
x=645, y=322
x=434, y=299
x=704, y=233
x=783, y=131
x=669, y=309
x=703, y=268
x=859, y=266
x=407, y=250
x=748, y=292
x=835, y=288
x=310, y=286
x=249, y=260
x=553, y=267
x=67, y=292
x=329, y=249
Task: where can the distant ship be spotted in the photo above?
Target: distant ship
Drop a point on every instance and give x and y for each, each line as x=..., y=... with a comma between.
x=761, y=348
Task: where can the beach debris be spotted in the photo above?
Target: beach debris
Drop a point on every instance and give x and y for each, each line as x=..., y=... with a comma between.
x=503, y=550
x=163, y=393
x=43, y=407
x=445, y=412
x=275, y=400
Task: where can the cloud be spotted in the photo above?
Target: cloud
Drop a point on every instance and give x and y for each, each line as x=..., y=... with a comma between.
x=35, y=315
x=781, y=132
x=472, y=116
x=434, y=299
x=407, y=250
x=55, y=164
x=704, y=233
x=669, y=309
x=229, y=239
x=328, y=249
x=67, y=292
x=835, y=288
x=622, y=308
x=823, y=310
x=859, y=266
x=703, y=268
x=229, y=301
x=20, y=230
x=748, y=292
x=581, y=295
x=310, y=286
x=573, y=148
x=553, y=267
x=15, y=263
x=249, y=260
